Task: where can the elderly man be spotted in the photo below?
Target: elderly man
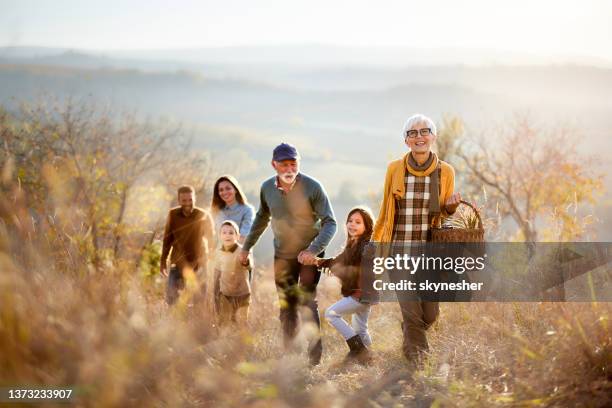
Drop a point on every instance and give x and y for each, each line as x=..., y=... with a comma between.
x=303, y=224
x=418, y=194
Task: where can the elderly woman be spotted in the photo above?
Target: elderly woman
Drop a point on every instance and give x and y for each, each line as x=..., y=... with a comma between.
x=418, y=194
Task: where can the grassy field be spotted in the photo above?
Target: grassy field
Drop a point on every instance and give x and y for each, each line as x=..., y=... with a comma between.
x=85, y=188
x=111, y=336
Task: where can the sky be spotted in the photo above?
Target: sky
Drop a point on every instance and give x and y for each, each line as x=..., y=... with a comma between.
x=546, y=28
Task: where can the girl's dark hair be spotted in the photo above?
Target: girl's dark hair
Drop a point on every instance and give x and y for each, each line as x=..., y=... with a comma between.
x=217, y=202
x=351, y=255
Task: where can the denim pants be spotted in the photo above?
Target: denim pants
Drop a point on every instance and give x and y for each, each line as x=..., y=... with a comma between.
x=360, y=311
x=176, y=283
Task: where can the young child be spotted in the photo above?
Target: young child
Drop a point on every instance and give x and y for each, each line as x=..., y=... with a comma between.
x=347, y=267
x=231, y=278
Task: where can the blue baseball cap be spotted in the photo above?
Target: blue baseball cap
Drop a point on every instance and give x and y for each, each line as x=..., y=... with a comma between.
x=285, y=151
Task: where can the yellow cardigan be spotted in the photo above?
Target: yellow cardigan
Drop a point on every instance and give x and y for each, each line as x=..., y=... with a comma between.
x=395, y=189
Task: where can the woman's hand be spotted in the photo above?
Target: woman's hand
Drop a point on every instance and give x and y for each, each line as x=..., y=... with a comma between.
x=452, y=203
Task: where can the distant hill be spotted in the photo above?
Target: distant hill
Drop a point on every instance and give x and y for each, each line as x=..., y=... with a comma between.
x=30, y=52
x=319, y=55
x=334, y=118
x=346, y=120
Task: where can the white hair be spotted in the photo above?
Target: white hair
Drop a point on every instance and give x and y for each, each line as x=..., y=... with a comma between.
x=416, y=119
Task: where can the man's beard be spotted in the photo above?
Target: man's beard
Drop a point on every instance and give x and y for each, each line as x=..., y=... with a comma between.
x=187, y=208
x=288, y=177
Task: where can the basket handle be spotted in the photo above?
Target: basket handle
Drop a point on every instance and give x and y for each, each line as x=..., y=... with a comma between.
x=475, y=211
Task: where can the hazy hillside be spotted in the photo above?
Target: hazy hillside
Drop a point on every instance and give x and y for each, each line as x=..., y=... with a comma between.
x=319, y=55
x=373, y=115
x=337, y=116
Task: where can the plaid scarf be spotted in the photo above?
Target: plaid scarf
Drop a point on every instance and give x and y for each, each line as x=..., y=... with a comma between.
x=426, y=169
x=412, y=211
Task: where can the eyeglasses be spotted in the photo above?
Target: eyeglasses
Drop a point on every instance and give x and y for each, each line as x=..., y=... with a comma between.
x=414, y=133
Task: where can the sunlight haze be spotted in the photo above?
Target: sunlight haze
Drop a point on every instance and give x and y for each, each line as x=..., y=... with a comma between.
x=557, y=29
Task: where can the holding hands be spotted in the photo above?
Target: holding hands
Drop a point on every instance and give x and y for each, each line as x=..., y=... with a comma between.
x=243, y=257
x=304, y=257
x=307, y=258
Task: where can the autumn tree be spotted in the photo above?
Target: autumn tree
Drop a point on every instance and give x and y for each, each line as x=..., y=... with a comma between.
x=448, y=139
x=79, y=164
x=535, y=177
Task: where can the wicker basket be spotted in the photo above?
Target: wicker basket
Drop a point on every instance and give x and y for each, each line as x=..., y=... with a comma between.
x=452, y=234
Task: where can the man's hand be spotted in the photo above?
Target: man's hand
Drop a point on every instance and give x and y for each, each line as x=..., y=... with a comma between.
x=306, y=258
x=243, y=257
x=163, y=269
x=452, y=203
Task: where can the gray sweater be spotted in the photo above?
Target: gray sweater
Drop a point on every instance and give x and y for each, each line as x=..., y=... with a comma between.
x=302, y=218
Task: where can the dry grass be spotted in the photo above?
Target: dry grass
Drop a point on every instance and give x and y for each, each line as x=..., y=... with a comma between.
x=106, y=331
x=112, y=337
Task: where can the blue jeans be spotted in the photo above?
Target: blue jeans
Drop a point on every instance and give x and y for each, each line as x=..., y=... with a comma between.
x=176, y=282
x=360, y=311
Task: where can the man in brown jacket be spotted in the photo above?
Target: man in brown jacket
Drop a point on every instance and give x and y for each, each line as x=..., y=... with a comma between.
x=188, y=232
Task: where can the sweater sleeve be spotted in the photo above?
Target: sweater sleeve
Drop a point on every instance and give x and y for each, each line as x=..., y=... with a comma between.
x=323, y=211
x=168, y=240
x=449, y=189
x=262, y=219
x=209, y=231
x=379, y=226
x=216, y=284
x=327, y=262
x=247, y=221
